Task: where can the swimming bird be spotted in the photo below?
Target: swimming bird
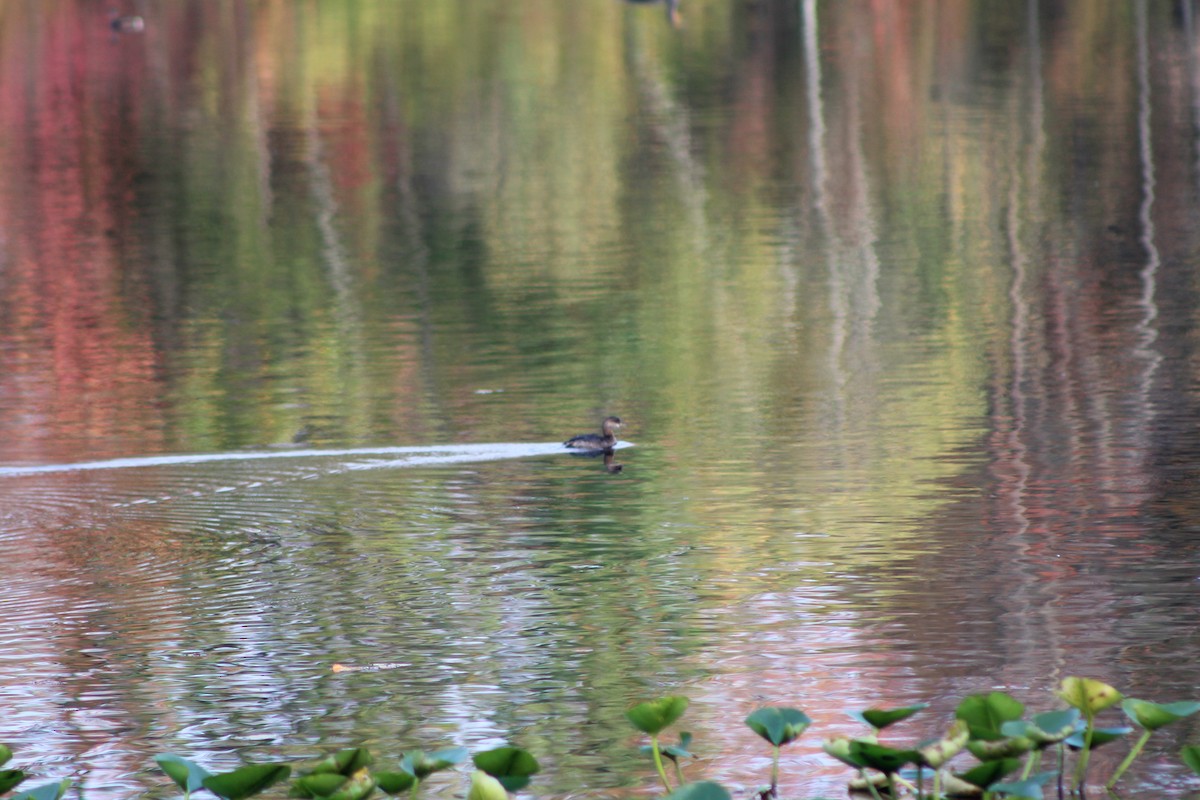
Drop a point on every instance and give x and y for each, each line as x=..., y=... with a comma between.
x=605, y=440
x=129, y=24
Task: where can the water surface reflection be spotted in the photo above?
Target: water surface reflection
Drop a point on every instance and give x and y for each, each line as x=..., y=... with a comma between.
x=898, y=301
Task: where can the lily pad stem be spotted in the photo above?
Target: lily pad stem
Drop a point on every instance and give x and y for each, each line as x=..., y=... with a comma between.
x=870, y=784
x=1084, y=754
x=658, y=763
x=1134, y=753
x=412, y=794
x=775, y=773
x=1031, y=763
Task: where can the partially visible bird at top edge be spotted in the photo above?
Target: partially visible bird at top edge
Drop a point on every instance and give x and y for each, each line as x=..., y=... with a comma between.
x=125, y=23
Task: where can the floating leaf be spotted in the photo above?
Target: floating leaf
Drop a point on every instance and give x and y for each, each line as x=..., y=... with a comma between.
x=884, y=759
x=10, y=778
x=1153, y=716
x=1046, y=728
x=485, y=787
x=49, y=791
x=188, y=775
x=5, y=754
x=512, y=766
x=357, y=787
x=939, y=752
x=700, y=790
x=880, y=718
x=1028, y=789
x=246, y=781
x=1099, y=736
x=318, y=784
x=1089, y=696
x=1191, y=756
x=987, y=773
x=344, y=762
x=422, y=764
x=778, y=725
x=394, y=782
x=654, y=716
x=839, y=748
x=986, y=713
x=991, y=750
x=671, y=751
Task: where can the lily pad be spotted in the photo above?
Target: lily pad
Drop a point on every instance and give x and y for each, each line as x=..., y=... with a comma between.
x=390, y=782
x=49, y=791
x=986, y=713
x=1153, y=716
x=1191, y=756
x=939, y=752
x=700, y=790
x=1088, y=695
x=1028, y=789
x=485, y=787
x=512, y=766
x=344, y=762
x=778, y=725
x=884, y=759
x=246, y=781
x=880, y=718
x=654, y=716
x=1100, y=736
x=10, y=778
x=987, y=773
x=188, y=775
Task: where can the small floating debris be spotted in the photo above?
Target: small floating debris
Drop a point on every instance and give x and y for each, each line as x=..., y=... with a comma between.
x=370, y=667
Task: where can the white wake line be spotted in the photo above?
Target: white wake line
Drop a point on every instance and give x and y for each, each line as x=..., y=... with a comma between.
x=407, y=456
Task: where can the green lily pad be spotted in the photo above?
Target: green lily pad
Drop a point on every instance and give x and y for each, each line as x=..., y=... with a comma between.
x=987, y=773
x=990, y=750
x=778, y=725
x=246, y=781
x=671, y=751
x=700, y=790
x=884, y=759
x=188, y=775
x=49, y=791
x=5, y=754
x=485, y=787
x=880, y=718
x=1088, y=695
x=1028, y=789
x=512, y=766
x=344, y=762
x=10, y=778
x=394, y=782
x=985, y=713
x=1191, y=756
x=939, y=752
x=654, y=716
x=1153, y=716
x=1100, y=736
x=421, y=765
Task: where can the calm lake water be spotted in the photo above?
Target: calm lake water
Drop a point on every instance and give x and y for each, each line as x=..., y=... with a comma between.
x=897, y=300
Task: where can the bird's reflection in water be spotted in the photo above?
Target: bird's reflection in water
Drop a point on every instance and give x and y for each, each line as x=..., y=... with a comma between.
x=610, y=463
x=674, y=15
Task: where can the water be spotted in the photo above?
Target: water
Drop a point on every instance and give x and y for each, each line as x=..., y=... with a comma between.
x=898, y=304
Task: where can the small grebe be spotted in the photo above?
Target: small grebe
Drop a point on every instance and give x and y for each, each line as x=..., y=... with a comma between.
x=605, y=440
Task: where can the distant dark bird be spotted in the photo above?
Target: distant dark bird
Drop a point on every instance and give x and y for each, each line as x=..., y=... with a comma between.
x=605, y=440
x=126, y=24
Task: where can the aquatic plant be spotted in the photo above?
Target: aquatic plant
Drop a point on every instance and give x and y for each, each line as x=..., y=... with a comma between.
x=652, y=718
x=778, y=726
x=990, y=726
